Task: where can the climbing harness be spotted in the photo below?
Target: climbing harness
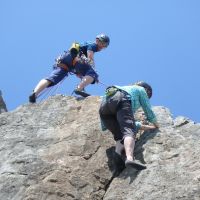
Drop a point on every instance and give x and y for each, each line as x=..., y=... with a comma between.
x=110, y=91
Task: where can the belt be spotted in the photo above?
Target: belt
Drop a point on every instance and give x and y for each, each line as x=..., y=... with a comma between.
x=66, y=67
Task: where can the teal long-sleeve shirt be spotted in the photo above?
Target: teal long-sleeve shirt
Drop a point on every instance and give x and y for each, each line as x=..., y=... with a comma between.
x=139, y=98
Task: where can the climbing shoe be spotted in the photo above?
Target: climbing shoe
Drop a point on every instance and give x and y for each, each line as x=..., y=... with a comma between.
x=81, y=93
x=136, y=164
x=32, y=98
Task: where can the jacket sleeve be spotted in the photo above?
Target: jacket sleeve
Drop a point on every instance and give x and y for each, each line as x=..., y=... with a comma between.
x=146, y=106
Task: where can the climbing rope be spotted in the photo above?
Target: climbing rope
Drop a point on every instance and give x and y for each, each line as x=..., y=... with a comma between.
x=103, y=84
x=50, y=91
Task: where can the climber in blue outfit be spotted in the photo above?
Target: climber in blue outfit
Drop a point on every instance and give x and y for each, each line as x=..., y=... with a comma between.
x=79, y=60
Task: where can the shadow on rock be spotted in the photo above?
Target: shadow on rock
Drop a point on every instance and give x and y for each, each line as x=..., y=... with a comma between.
x=116, y=163
x=138, y=152
x=130, y=173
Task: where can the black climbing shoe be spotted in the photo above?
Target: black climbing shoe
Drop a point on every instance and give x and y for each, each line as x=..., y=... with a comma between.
x=81, y=93
x=136, y=164
x=32, y=98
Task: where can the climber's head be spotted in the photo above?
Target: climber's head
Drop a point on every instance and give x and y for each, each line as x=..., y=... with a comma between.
x=102, y=41
x=146, y=86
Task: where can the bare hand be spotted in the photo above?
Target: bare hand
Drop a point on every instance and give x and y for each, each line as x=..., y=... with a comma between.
x=149, y=127
x=156, y=125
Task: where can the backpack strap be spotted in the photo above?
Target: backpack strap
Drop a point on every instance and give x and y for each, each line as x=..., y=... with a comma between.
x=74, y=61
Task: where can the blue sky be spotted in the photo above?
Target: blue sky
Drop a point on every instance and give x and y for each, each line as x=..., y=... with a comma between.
x=156, y=41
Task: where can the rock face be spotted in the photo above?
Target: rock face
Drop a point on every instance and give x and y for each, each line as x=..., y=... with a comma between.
x=55, y=150
x=2, y=104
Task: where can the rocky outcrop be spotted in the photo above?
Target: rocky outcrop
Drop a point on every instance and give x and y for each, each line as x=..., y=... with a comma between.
x=55, y=150
x=2, y=104
x=172, y=158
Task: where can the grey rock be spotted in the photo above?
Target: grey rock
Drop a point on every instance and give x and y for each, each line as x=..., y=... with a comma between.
x=180, y=121
x=2, y=104
x=172, y=159
x=55, y=150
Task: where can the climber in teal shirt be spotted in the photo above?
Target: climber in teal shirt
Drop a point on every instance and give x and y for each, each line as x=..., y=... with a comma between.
x=117, y=115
